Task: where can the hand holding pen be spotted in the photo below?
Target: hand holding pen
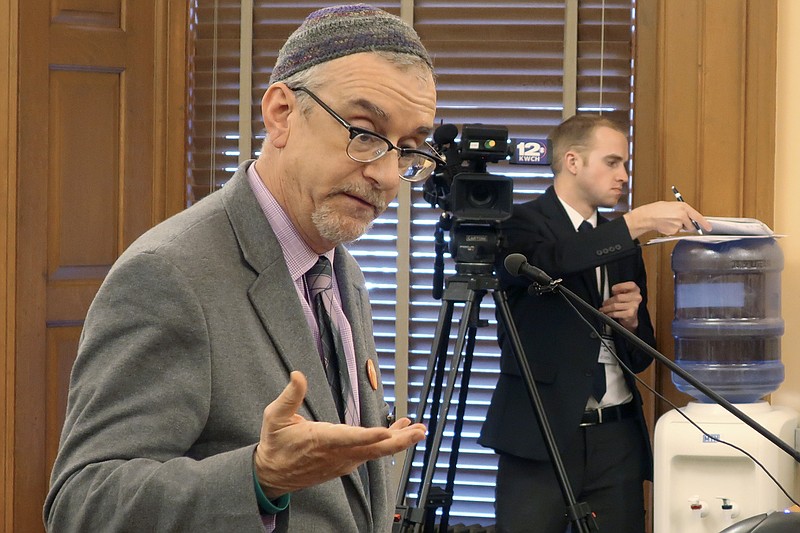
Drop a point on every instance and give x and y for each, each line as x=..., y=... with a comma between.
x=680, y=199
x=665, y=217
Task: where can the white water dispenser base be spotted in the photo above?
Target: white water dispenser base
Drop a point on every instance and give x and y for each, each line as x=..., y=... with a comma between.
x=703, y=486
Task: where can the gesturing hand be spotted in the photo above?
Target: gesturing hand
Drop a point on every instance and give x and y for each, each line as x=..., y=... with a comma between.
x=624, y=304
x=294, y=453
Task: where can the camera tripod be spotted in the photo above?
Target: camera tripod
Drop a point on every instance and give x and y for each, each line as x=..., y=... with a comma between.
x=469, y=285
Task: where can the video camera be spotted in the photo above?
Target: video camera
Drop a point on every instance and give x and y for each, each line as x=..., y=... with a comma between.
x=475, y=201
x=462, y=187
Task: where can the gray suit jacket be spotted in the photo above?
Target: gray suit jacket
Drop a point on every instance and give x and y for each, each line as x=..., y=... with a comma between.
x=192, y=334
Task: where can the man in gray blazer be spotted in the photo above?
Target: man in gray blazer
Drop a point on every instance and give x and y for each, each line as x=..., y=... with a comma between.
x=199, y=400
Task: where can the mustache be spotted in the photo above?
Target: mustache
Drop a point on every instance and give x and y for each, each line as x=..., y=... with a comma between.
x=372, y=196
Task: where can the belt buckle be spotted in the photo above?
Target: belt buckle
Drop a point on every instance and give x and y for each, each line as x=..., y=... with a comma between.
x=594, y=422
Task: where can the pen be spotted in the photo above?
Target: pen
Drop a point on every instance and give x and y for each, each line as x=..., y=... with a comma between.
x=680, y=199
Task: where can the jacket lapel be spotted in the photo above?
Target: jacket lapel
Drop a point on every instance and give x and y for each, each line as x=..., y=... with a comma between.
x=612, y=268
x=356, y=306
x=273, y=295
x=561, y=225
x=275, y=301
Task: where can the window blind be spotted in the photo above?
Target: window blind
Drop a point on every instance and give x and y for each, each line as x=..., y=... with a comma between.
x=502, y=65
x=498, y=64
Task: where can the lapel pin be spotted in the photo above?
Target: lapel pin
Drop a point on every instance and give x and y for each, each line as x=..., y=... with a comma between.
x=372, y=375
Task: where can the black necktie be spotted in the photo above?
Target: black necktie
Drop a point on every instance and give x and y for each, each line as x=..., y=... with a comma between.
x=599, y=379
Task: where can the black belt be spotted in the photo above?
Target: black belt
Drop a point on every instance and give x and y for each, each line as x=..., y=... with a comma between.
x=608, y=414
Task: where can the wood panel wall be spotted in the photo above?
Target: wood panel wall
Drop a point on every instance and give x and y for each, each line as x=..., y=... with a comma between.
x=705, y=122
x=97, y=88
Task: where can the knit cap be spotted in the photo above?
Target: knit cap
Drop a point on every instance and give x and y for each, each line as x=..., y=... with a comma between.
x=339, y=31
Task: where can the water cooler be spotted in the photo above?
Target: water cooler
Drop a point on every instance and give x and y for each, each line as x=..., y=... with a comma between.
x=727, y=329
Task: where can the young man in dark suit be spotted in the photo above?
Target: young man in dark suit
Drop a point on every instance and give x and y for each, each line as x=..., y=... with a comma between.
x=591, y=403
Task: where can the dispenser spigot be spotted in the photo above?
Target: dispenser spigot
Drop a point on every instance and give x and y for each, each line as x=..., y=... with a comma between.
x=699, y=507
x=730, y=510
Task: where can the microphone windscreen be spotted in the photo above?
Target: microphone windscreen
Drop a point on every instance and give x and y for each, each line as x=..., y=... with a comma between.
x=513, y=263
x=445, y=134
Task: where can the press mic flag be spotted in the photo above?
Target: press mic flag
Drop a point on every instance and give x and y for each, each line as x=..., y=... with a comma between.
x=530, y=152
x=517, y=265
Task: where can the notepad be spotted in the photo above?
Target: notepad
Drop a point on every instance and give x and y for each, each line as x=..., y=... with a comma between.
x=724, y=229
x=738, y=226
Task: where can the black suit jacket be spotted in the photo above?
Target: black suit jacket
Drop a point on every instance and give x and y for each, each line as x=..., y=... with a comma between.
x=561, y=350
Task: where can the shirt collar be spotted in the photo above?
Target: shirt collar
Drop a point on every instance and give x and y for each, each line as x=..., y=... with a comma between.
x=298, y=255
x=575, y=217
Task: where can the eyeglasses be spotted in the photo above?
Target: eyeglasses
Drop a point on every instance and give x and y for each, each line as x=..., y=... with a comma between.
x=366, y=146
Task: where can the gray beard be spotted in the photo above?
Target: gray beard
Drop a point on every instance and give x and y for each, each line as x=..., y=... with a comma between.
x=337, y=228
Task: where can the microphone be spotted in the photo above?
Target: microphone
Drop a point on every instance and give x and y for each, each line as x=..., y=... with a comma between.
x=445, y=134
x=444, y=140
x=517, y=265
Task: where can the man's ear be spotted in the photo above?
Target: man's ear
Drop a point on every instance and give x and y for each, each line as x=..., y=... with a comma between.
x=277, y=105
x=572, y=160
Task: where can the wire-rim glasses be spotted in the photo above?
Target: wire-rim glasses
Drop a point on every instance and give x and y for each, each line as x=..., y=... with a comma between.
x=366, y=146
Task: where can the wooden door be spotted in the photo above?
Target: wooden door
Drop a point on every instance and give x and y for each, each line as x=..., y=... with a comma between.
x=100, y=100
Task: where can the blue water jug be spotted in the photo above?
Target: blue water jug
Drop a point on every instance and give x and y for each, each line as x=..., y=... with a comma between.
x=727, y=326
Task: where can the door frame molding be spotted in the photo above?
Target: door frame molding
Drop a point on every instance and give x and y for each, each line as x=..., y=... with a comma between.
x=8, y=222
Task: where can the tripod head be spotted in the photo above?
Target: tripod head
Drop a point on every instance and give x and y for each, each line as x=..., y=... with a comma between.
x=473, y=246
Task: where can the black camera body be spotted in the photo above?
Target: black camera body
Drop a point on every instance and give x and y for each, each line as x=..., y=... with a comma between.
x=474, y=200
x=474, y=195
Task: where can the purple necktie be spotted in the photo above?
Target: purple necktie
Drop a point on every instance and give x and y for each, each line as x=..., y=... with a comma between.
x=333, y=357
x=320, y=285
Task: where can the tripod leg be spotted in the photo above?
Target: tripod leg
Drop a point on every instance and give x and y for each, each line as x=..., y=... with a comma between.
x=435, y=398
x=406, y=516
x=579, y=514
x=448, y=396
x=435, y=361
x=459, y=422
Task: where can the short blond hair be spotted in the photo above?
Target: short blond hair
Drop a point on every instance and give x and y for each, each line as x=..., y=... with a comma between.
x=577, y=133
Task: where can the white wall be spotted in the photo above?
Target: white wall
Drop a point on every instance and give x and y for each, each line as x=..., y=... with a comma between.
x=787, y=193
